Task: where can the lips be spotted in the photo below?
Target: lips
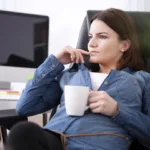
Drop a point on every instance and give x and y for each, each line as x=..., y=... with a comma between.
x=92, y=53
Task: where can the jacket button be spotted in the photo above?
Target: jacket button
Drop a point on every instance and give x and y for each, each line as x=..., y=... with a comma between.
x=53, y=66
x=105, y=83
x=43, y=74
x=134, y=82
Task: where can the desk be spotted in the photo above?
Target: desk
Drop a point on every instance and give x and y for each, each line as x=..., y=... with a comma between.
x=8, y=118
x=9, y=106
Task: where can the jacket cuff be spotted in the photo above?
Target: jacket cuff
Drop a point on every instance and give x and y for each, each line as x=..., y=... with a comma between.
x=49, y=69
x=123, y=117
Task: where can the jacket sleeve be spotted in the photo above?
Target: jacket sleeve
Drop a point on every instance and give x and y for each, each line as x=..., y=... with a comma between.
x=43, y=91
x=137, y=123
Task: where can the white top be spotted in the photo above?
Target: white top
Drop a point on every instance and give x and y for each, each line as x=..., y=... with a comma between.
x=97, y=79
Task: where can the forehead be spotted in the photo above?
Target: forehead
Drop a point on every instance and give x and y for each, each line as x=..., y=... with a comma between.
x=99, y=26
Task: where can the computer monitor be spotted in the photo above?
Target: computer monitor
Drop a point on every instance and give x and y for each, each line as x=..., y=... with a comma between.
x=23, y=44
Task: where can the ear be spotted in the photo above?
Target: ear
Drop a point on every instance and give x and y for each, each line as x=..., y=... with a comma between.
x=126, y=45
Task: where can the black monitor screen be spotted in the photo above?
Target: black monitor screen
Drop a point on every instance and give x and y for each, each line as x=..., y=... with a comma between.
x=23, y=39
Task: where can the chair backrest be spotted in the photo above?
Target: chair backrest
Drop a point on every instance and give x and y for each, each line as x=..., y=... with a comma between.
x=142, y=21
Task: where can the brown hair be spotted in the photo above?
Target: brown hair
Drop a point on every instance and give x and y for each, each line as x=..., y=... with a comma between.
x=124, y=26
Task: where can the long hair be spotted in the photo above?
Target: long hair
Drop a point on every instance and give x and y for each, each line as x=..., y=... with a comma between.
x=124, y=26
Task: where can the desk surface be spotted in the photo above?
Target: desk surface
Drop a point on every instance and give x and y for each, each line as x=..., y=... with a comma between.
x=7, y=104
x=7, y=109
x=8, y=112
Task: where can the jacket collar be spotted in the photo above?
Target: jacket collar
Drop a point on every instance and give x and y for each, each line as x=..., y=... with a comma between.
x=74, y=67
x=128, y=70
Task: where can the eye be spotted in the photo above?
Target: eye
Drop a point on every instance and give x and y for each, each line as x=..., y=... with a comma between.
x=102, y=36
x=89, y=37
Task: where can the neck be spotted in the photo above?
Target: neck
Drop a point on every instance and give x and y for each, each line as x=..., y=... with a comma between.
x=106, y=69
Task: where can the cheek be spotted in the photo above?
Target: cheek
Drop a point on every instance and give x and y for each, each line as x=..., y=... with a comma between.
x=107, y=45
x=108, y=52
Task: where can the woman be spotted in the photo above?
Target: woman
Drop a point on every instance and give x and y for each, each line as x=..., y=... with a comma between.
x=116, y=91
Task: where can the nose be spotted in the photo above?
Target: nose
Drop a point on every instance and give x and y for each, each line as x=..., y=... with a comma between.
x=92, y=43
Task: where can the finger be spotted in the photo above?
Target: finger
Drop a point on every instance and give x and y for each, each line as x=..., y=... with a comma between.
x=94, y=93
x=81, y=57
x=93, y=99
x=77, y=55
x=69, y=50
x=97, y=93
x=94, y=105
x=97, y=110
x=84, y=52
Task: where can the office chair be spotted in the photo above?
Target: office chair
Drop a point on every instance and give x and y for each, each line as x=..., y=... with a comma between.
x=142, y=21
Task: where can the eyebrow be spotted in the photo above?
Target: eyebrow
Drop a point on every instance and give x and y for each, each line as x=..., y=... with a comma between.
x=99, y=33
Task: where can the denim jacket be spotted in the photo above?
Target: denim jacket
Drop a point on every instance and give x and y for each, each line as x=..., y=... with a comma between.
x=130, y=89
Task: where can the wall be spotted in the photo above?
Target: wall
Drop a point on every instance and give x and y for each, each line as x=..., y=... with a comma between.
x=66, y=16
x=147, y=5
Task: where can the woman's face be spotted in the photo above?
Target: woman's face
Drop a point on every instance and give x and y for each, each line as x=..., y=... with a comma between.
x=104, y=45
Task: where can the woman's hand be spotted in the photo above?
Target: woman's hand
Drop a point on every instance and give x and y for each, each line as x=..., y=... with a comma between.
x=101, y=102
x=68, y=55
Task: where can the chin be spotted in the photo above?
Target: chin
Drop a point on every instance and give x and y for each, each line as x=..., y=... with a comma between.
x=94, y=60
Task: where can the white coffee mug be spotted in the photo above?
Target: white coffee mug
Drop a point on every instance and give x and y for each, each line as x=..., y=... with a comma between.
x=76, y=99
